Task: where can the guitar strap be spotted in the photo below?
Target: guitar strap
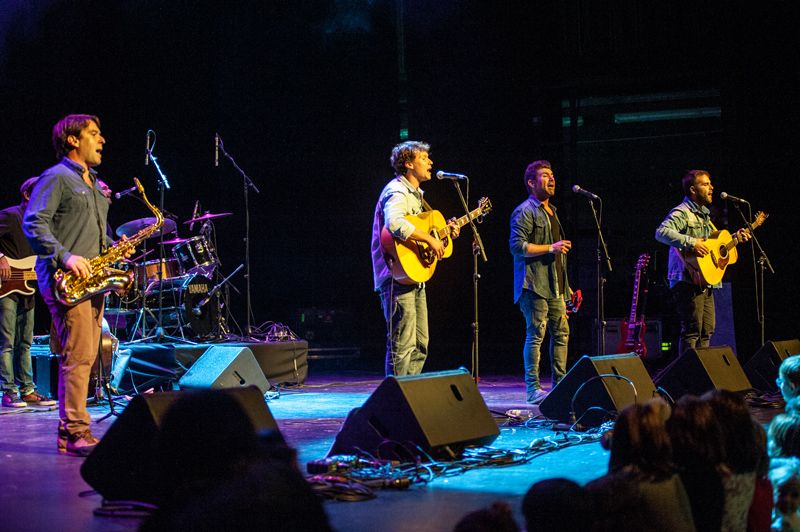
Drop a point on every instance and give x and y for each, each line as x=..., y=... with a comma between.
x=425, y=205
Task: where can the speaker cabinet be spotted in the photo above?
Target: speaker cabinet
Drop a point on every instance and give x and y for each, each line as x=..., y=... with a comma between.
x=762, y=368
x=440, y=413
x=701, y=369
x=125, y=464
x=225, y=367
x=604, y=384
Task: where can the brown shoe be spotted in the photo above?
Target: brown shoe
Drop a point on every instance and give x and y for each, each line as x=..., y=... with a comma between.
x=78, y=444
x=35, y=398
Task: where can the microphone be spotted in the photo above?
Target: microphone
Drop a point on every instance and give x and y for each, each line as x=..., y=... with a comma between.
x=448, y=175
x=216, y=150
x=195, y=212
x=146, y=153
x=125, y=192
x=583, y=192
x=726, y=196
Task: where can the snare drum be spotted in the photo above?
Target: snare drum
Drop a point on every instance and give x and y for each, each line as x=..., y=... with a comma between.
x=148, y=271
x=196, y=256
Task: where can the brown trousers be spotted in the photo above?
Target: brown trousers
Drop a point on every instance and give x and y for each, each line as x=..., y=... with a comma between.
x=75, y=337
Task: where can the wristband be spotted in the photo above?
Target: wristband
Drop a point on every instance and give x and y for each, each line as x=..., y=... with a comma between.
x=551, y=249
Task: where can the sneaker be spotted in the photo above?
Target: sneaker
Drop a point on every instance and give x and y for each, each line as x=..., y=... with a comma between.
x=12, y=400
x=537, y=397
x=77, y=444
x=35, y=398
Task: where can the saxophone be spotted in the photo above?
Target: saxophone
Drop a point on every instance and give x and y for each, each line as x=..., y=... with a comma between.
x=71, y=289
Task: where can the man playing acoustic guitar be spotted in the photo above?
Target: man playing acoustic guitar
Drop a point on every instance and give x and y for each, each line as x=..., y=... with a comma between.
x=685, y=230
x=405, y=308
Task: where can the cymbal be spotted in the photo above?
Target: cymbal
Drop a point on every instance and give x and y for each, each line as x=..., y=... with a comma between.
x=134, y=226
x=206, y=216
x=177, y=240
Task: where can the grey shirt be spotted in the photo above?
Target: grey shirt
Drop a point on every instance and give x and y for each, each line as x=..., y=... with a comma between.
x=531, y=224
x=65, y=217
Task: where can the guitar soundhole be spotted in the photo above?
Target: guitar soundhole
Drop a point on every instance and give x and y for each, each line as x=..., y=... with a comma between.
x=723, y=252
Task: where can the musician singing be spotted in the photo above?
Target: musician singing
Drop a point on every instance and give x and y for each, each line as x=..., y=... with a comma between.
x=685, y=230
x=405, y=307
x=540, y=277
x=65, y=224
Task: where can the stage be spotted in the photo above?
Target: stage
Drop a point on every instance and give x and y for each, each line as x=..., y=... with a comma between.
x=44, y=490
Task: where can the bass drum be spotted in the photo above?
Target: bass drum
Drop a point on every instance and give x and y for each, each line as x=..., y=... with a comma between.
x=180, y=299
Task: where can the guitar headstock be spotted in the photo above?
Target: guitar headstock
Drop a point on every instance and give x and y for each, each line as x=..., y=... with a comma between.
x=644, y=260
x=485, y=205
x=761, y=217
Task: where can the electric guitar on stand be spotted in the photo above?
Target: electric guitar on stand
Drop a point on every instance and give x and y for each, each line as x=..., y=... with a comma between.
x=413, y=262
x=22, y=273
x=632, y=330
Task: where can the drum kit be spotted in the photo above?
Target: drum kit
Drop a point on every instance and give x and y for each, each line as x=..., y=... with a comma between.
x=176, y=293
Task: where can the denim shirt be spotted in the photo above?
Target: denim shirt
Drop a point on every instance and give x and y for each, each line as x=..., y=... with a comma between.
x=680, y=230
x=530, y=224
x=398, y=199
x=65, y=217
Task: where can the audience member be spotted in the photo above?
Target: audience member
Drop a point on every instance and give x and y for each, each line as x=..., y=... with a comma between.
x=788, y=382
x=496, y=518
x=641, y=471
x=785, y=477
x=784, y=436
x=698, y=450
x=558, y=505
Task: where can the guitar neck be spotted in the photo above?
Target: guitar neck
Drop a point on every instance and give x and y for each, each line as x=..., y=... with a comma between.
x=634, y=303
x=460, y=222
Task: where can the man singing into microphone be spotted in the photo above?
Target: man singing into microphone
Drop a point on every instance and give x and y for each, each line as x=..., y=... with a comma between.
x=685, y=230
x=65, y=223
x=405, y=307
x=540, y=277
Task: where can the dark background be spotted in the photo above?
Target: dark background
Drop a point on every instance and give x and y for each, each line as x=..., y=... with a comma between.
x=309, y=98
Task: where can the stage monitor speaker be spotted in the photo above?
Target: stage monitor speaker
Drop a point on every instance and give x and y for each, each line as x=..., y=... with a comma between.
x=225, y=367
x=762, y=368
x=605, y=384
x=125, y=464
x=701, y=369
x=440, y=413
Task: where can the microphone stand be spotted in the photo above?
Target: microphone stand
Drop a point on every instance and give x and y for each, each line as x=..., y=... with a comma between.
x=248, y=183
x=602, y=252
x=163, y=185
x=477, y=248
x=763, y=262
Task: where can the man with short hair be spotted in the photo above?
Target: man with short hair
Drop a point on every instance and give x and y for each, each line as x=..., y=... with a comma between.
x=685, y=230
x=66, y=226
x=405, y=307
x=16, y=312
x=540, y=277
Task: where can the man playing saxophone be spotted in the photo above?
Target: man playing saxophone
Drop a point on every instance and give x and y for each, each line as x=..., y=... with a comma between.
x=65, y=223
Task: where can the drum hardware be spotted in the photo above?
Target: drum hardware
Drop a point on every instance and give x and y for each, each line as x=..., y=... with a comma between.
x=177, y=240
x=185, y=305
x=207, y=216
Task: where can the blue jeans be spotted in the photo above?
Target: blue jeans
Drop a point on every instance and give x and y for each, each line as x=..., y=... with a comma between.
x=405, y=309
x=543, y=315
x=695, y=308
x=16, y=334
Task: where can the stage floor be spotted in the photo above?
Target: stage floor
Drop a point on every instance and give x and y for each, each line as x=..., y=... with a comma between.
x=42, y=490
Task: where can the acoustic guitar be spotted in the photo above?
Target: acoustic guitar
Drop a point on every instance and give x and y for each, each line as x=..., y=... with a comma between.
x=413, y=262
x=708, y=270
x=632, y=330
x=22, y=273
